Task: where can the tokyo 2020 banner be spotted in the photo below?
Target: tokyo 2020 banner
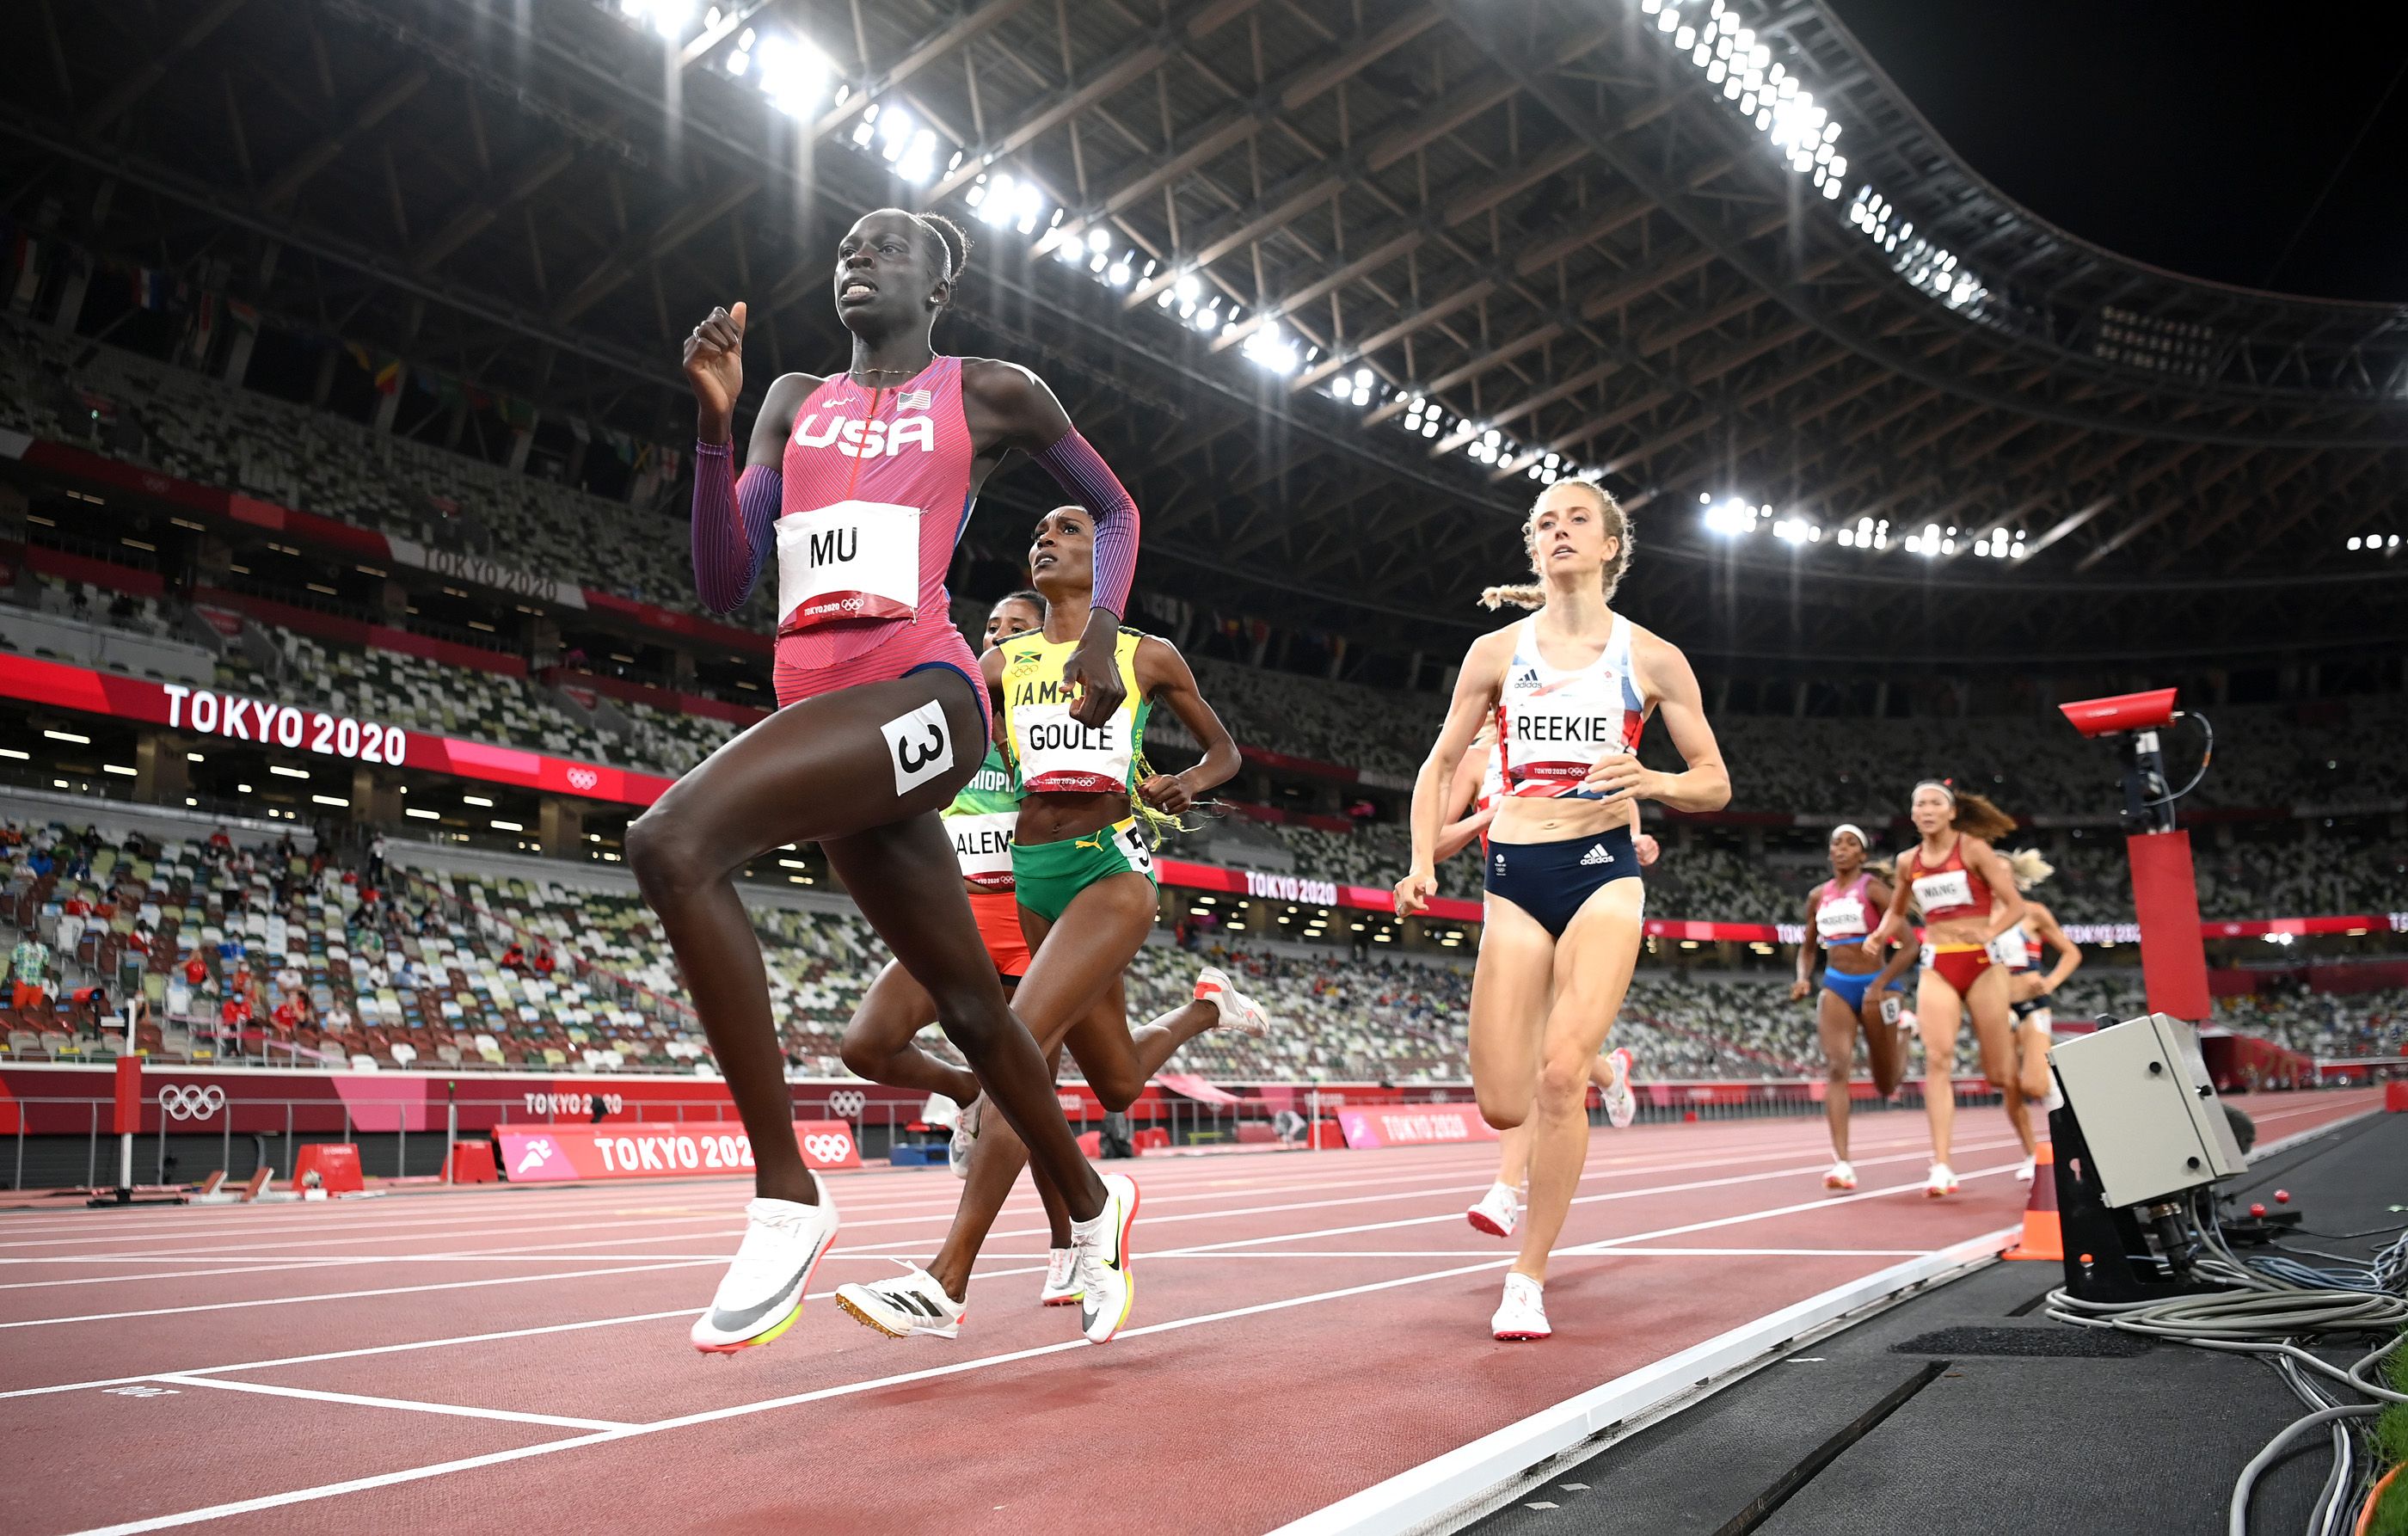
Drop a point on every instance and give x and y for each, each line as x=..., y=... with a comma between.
x=556, y=1154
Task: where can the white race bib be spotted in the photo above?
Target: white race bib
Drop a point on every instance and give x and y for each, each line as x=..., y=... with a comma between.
x=1841, y=917
x=982, y=843
x=851, y=560
x=1057, y=753
x=1551, y=740
x=2009, y=950
x=1949, y=888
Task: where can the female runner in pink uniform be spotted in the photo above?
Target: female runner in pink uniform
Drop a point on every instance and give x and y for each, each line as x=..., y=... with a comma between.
x=862, y=482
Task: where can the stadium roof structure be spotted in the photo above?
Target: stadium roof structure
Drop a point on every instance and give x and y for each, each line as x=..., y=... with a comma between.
x=1336, y=284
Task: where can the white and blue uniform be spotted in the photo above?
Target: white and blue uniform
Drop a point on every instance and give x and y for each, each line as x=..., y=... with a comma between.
x=1553, y=726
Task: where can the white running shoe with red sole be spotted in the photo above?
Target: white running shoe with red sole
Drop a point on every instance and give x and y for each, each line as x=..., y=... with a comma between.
x=1238, y=1010
x=1841, y=1176
x=1522, y=1317
x=1496, y=1212
x=1942, y=1181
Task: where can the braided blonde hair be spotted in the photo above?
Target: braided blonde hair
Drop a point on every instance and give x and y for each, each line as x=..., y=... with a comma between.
x=1534, y=594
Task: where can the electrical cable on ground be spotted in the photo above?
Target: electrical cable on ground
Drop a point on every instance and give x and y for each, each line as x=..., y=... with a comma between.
x=2268, y=1306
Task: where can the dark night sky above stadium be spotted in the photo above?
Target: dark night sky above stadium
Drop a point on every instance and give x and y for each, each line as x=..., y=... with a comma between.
x=2195, y=136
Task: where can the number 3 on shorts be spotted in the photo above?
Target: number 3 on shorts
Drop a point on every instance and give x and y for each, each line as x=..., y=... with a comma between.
x=920, y=745
x=1140, y=858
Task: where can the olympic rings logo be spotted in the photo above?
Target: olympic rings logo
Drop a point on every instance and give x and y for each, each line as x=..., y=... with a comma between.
x=179, y=1102
x=845, y=1104
x=827, y=1146
x=582, y=777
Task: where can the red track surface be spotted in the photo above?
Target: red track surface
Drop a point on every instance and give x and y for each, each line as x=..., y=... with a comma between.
x=1306, y=1325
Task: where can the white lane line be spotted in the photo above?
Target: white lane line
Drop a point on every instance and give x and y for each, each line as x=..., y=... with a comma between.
x=857, y=1250
x=1602, y=1164
x=1648, y=1193
x=977, y=1276
x=349, y=1296
x=936, y=1204
x=330, y=1490
x=565, y=1202
x=365, y=1351
x=410, y=1404
x=271, y=1263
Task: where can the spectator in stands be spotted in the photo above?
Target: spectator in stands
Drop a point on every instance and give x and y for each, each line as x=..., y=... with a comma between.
x=28, y=964
x=544, y=963
x=74, y=914
x=290, y=1015
x=375, y=859
x=514, y=957
x=220, y=842
x=337, y=1019
x=234, y=1017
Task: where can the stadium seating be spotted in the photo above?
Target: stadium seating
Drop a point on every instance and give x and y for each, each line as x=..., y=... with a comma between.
x=201, y=429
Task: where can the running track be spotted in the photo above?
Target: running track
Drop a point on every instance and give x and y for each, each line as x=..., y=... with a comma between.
x=1306, y=1325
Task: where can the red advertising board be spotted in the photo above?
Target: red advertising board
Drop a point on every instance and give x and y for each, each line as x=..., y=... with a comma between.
x=660, y=1150
x=1418, y=1125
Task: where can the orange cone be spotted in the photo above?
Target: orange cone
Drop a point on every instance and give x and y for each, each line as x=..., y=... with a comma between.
x=2043, y=1238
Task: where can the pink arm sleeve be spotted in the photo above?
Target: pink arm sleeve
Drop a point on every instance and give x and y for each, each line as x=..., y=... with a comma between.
x=732, y=518
x=1080, y=470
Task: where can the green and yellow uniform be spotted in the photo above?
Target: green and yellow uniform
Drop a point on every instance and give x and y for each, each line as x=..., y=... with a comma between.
x=1055, y=752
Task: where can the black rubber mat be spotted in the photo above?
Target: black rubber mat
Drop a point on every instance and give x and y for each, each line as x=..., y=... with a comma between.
x=2058, y=1341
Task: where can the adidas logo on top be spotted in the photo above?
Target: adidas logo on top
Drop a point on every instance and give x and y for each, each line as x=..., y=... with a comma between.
x=1529, y=678
x=1596, y=855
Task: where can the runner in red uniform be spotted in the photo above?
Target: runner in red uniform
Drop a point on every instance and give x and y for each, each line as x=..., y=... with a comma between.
x=1967, y=895
x=862, y=480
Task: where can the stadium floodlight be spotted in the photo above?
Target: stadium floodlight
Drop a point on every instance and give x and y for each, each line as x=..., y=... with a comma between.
x=794, y=73
x=669, y=18
x=894, y=132
x=1006, y=202
x=1270, y=348
x=1730, y=517
x=918, y=163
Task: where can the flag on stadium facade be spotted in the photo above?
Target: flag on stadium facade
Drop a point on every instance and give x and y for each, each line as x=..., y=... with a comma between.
x=152, y=287
x=202, y=330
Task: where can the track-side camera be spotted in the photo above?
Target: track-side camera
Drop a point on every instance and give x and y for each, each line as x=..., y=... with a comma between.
x=2143, y=712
